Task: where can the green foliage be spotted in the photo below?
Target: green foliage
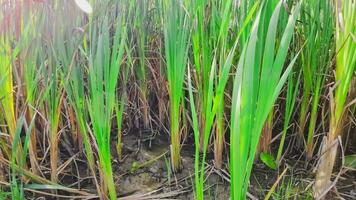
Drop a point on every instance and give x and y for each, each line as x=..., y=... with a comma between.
x=141, y=22
x=17, y=178
x=317, y=32
x=104, y=60
x=6, y=89
x=346, y=56
x=350, y=161
x=290, y=189
x=257, y=84
x=176, y=45
x=54, y=57
x=292, y=92
x=268, y=160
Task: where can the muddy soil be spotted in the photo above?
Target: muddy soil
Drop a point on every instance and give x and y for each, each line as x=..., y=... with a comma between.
x=145, y=170
x=156, y=174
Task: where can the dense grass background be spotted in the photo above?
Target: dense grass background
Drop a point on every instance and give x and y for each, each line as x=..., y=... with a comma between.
x=243, y=80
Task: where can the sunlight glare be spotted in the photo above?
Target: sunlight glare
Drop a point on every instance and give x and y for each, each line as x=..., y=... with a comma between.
x=84, y=6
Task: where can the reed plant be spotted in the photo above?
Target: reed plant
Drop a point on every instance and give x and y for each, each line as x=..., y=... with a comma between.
x=32, y=68
x=69, y=68
x=17, y=178
x=122, y=99
x=317, y=32
x=53, y=102
x=176, y=28
x=210, y=40
x=256, y=86
x=203, y=56
x=7, y=87
x=57, y=56
x=216, y=96
x=8, y=55
x=291, y=97
x=141, y=28
x=345, y=17
x=68, y=50
x=74, y=88
x=105, y=59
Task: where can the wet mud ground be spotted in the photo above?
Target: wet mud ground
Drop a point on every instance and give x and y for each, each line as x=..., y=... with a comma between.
x=144, y=173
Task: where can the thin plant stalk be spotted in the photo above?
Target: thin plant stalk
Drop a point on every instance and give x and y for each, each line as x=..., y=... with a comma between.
x=202, y=54
x=54, y=78
x=221, y=13
x=292, y=92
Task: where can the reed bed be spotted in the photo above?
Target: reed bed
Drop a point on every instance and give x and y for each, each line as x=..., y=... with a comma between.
x=239, y=85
